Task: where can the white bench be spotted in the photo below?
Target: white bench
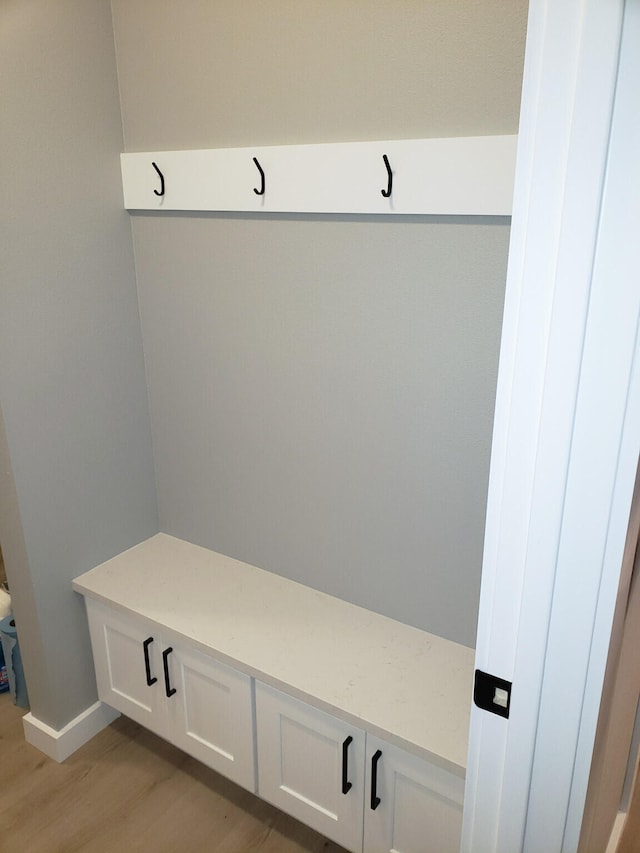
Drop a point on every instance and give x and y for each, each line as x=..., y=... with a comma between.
x=317, y=705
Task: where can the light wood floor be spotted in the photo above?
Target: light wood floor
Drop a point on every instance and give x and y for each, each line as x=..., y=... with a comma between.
x=129, y=791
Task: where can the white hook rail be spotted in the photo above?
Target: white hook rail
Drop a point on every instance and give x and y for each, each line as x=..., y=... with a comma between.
x=467, y=176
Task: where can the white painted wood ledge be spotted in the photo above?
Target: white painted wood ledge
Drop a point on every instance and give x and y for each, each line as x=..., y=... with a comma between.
x=464, y=176
x=405, y=685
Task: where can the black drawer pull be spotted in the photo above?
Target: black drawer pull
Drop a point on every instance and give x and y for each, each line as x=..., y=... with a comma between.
x=169, y=690
x=346, y=785
x=147, y=664
x=375, y=799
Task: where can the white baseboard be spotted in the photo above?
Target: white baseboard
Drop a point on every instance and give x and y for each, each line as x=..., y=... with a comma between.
x=61, y=744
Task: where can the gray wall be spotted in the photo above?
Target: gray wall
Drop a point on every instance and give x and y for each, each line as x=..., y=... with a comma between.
x=76, y=456
x=322, y=388
x=207, y=73
x=322, y=399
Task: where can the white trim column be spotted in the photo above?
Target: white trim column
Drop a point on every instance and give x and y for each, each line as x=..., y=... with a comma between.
x=564, y=454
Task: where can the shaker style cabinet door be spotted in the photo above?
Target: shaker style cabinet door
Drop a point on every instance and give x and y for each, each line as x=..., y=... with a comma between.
x=411, y=806
x=311, y=765
x=198, y=704
x=128, y=664
x=211, y=713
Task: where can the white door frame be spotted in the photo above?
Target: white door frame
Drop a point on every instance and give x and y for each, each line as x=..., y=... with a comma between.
x=566, y=431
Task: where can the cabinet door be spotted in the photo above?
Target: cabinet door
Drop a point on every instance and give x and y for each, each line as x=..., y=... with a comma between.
x=310, y=765
x=211, y=713
x=411, y=806
x=128, y=664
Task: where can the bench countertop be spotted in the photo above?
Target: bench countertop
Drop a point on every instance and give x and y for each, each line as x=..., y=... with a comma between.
x=398, y=682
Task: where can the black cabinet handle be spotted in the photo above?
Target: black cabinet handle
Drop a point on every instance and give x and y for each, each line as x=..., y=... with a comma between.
x=147, y=664
x=169, y=690
x=375, y=799
x=346, y=785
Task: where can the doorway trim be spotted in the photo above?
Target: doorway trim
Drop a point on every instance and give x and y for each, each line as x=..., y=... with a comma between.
x=566, y=431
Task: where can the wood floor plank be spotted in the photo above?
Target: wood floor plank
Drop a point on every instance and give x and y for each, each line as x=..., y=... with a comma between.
x=129, y=791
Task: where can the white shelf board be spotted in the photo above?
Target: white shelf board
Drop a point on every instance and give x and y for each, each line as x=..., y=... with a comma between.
x=464, y=176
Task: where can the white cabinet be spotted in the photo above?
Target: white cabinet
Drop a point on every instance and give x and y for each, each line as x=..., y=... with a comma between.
x=183, y=695
x=411, y=806
x=120, y=646
x=157, y=658
x=354, y=788
x=310, y=765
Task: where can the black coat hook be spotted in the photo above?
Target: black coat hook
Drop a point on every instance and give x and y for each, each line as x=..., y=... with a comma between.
x=161, y=180
x=261, y=190
x=386, y=193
